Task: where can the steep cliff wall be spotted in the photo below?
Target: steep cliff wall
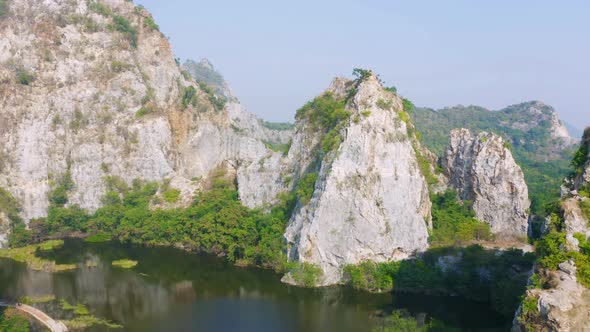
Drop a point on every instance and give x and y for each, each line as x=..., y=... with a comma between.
x=370, y=201
x=92, y=89
x=481, y=168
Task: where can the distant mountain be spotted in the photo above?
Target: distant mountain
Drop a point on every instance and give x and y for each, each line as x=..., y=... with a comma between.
x=540, y=141
x=204, y=72
x=575, y=132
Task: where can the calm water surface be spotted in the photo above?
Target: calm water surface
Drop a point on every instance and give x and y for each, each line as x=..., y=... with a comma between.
x=170, y=290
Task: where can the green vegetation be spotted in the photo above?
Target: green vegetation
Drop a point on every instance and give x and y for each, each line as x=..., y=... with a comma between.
x=306, y=274
x=58, y=196
x=401, y=322
x=585, y=207
x=125, y=263
x=216, y=222
x=150, y=23
x=37, y=299
x=497, y=277
x=425, y=167
x=98, y=238
x=19, y=235
x=78, y=309
x=218, y=101
x=188, y=97
x=87, y=321
x=328, y=115
x=145, y=110
x=29, y=256
x=122, y=25
x=280, y=126
x=529, y=316
x=118, y=66
x=171, y=195
x=530, y=147
x=24, y=77
x=306, y=187
x=454, y=222
x=552, y=251
x=12, y=321
x=580, y=159
x=361, y=74
x=205, y=73
x=99, y=8
x=4, y=8
x=83, y=320
x=278, y=147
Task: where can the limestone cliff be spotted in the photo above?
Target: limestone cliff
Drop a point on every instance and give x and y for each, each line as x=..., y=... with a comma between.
x=92, y=89
x=481, y=168
x=370, y=201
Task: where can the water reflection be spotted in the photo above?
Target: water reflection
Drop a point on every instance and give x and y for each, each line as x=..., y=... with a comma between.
x=171, y=290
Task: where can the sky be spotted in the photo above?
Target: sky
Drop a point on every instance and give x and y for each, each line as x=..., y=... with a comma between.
x=276, y=55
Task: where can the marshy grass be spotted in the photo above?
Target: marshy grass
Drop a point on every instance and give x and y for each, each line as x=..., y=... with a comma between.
x=98, y=238
x=28, y=256
x=125, y=263
x=37, y=299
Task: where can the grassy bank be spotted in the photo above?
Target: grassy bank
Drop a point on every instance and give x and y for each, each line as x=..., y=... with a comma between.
x=28, y=255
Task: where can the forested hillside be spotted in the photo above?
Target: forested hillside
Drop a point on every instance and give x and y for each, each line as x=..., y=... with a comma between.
x=539, y=140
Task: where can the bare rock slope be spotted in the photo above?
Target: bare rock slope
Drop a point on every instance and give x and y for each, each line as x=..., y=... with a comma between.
x=370, y=201
x=91, y=89
x=481, y=168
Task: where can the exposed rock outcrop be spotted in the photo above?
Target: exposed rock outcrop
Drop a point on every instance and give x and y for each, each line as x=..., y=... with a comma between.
x=565, y=307
x=92, y=88
x=370, y=201
x=481, y=168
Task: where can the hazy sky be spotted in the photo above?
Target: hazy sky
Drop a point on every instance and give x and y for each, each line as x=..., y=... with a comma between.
x=277, y=54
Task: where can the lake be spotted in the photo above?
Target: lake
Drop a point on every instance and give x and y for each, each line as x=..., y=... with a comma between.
x=172, y=290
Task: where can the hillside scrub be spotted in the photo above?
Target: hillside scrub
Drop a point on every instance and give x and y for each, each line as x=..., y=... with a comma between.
x=12, y=321
x=215, y=223
x=327, y=114
x=454, y=222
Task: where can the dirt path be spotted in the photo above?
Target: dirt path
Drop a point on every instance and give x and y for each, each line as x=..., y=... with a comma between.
x=52, y=325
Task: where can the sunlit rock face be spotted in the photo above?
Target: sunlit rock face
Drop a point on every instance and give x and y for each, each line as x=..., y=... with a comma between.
x=481, y=168
x=82, y=98
x=370, y=201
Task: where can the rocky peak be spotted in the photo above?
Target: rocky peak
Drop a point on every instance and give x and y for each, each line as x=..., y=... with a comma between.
x=481, y=168
x=369, y=201
x=536, y=114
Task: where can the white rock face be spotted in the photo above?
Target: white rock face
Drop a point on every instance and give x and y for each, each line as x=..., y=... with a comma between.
x=370, y=201
x=483, y=171
x=566, y=307
x=78, y=113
